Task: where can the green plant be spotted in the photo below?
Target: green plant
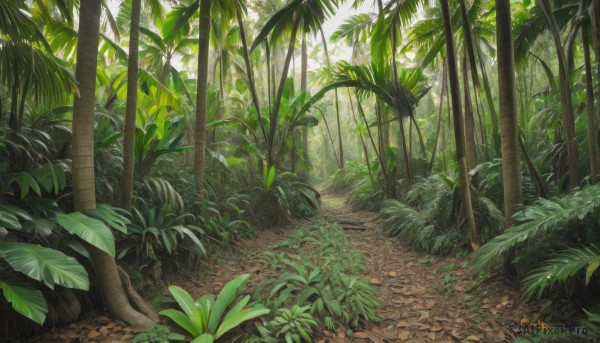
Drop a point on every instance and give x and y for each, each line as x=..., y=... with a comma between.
x=294, y=325
x=157, y=334
x=158, y=231
x=544, y=217
x=49, y=266
x=206, y=319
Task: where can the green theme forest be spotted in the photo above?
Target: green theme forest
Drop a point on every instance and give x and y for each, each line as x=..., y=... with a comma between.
x=299, y=170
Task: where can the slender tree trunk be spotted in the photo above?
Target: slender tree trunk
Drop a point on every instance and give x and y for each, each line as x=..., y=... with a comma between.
x=131, y=107
x=249, y=70
x=440, y=117
x=509, y=129
x=84, y=192
x=330, y=137
x=490, y=102
x=568, y=117
x=202, y=91
x=469, y=119
x=277, y=107
x=465, y=188
x=304, y=88
x=589, y=87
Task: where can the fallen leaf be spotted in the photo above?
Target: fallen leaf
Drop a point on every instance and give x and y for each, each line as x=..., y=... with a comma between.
x=392, y=274
x=424, y=315
x=404, y=335
x=431, y=336
x=375, y=281
x=94, y=334
x=435, y=328
x=361, y=334
x=473, y=338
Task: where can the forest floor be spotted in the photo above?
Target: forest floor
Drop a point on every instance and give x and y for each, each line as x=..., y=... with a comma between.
x=423, y=298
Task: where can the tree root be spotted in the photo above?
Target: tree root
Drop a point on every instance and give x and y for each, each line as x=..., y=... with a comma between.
x=136, y=299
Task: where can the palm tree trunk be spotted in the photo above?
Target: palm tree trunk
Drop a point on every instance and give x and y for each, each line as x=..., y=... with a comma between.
x=277, y=106
x=589, y=87
x=490, y=101
x=568, y=117
x=304, y=88
x=131, y=107
x=440, y=117
x=509, y=129
x=84, y=192
x=465, y=187
x=202, y=90
x=469, y=119
x=249, y=70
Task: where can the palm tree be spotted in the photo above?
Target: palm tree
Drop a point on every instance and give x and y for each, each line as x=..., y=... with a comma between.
x=511, y=174
x=297, y=15
x=202, y=90
x=131, y=107
x=465, y=187
x=83, y=160
x=568, y=117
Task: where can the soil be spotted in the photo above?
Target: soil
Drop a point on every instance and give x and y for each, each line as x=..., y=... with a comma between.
x=423, y=298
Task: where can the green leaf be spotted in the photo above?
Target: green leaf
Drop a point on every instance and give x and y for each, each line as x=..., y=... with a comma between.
x=590, y=271
x=241, y=317
x=89, y=229
x=188, y=305
x=114, y=217
x=183, y=321
x=225, y=298
x=45, y=264
x=205, y=338
x=23, y=298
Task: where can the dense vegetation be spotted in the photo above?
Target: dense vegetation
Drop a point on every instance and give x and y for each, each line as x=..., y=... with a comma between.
x=152, y=136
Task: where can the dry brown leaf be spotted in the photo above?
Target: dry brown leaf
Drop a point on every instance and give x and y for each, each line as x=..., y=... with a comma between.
x=392, y=274
x=361, y=334
x=404, y=335
x=473, y=338
x=94, y=334
x=375, y=281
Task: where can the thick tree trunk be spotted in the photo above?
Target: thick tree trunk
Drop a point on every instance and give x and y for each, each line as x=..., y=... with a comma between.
x=465, y=187
x=589, y=88
x=131, y=107
x=83, y=160
x=568, y=117
x=511, y=172
x=202, y=90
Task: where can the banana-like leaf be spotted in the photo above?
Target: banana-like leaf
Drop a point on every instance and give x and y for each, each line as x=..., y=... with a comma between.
x=89, y=229
x=205, y=338
x=183, y=321
x=24, y=298
x=241, y=317
x=44, y=264
x=225, y=298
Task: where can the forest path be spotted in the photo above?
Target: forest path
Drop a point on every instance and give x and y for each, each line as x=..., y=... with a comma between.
x=426, y=298
x=423, y=298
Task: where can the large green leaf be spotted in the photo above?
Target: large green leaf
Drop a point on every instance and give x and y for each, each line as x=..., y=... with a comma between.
x=114, y=217
x=89, y=229
x=240, y=317
x=225, y=298
x=45, y=264
x=23, y=298
x=183, y=321
x=205, y=338
x=188, y=305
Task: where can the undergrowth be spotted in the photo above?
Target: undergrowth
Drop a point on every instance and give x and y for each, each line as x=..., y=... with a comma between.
x=318, y=284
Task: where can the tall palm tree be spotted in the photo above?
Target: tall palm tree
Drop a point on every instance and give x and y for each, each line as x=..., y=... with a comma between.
x=465, y=187
x=131, y=107
x=202, y=90
x=84, y=192
x=296, y=16
x=511, y=174
x=568, y=116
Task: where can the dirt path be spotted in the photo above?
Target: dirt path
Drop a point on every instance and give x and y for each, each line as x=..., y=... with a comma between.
x=424, y=298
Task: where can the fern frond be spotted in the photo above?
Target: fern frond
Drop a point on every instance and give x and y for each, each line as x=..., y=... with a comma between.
x=538, y=219
x=565, y=265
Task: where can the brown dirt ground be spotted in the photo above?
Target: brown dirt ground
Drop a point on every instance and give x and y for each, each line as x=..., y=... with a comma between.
x=422, y=300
